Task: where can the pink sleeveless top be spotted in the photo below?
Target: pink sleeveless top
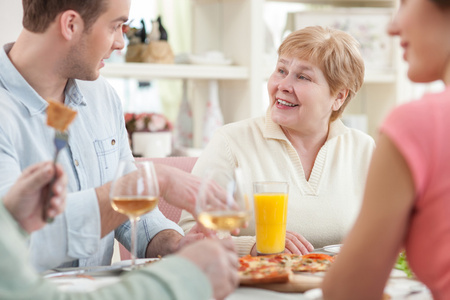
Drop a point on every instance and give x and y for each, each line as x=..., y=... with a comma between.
x=421, y=132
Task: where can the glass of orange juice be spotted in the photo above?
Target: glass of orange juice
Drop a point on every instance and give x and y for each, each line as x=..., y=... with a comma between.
x=270, y=206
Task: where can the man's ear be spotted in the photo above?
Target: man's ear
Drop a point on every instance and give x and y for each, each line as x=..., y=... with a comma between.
x=70, y=23
x=340, y=99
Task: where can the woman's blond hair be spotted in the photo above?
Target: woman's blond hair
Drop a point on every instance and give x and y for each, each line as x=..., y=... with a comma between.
x=335, y=52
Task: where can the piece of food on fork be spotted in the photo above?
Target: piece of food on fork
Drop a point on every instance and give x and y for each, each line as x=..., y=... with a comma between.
x=59, y=116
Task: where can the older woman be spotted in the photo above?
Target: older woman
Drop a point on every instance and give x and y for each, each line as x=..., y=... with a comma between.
x=302, y=141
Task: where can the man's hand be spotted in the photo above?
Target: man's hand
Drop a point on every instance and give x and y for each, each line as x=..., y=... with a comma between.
x=218, y=260
x=295, y=244
x=180, y=189
x=23, y=199
x=197, y=232
x=169, y=241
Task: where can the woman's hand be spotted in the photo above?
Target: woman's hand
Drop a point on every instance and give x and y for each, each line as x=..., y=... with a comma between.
x=23, y=199
x=295, y=244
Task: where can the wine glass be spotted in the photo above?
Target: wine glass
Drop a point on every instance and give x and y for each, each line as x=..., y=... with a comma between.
x=222, y=203
x=134, y=192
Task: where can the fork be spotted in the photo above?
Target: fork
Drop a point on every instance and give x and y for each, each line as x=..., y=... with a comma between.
x=60, y=141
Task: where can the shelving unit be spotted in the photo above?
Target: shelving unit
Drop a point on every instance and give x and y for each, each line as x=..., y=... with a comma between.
x=352, y=3
x=144, y=71
x=236, y=28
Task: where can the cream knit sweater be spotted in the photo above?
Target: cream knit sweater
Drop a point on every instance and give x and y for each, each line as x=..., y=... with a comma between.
x=322, y=209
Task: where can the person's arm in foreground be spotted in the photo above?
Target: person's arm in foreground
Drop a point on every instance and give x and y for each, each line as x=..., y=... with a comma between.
x=372, y=246
x=188, y=275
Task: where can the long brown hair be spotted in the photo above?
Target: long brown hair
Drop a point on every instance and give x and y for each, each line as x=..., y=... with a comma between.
x=442, y=3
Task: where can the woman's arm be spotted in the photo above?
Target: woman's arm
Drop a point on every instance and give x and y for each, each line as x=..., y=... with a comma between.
x=369, y=252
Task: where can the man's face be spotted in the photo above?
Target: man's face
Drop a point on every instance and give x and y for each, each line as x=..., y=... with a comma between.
x=86, y=57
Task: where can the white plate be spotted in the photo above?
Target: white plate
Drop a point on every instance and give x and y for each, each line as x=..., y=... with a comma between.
x=333, y=248
x=139, y=261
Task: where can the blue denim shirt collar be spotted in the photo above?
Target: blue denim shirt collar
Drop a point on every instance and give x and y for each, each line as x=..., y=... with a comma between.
x=74, y=97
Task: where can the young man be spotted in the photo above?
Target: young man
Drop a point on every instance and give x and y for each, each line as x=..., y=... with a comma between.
x=186, y=275
x=58, y=55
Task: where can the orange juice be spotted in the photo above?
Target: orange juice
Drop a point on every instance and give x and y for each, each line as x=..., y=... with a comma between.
x=270, y=219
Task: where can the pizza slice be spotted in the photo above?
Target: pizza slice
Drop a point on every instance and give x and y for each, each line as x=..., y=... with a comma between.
x=313, y=262
x=279, y=268
x=262, y=269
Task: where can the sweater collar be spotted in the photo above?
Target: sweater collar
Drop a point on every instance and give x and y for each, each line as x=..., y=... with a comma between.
x=273, y=131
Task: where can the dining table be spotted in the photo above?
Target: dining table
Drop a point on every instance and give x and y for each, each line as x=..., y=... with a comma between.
x=83, y=279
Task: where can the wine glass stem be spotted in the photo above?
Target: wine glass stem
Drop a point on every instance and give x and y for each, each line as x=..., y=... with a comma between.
x=133, y=222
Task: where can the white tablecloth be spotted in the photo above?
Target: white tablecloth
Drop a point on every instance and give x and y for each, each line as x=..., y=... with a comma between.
x=399, y=287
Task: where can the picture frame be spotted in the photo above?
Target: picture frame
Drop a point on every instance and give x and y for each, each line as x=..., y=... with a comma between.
x=368, y=26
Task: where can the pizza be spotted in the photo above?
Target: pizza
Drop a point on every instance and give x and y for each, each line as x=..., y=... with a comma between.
x=263, y=269
x=313, y=262
x=278, y=268
x=59, y=116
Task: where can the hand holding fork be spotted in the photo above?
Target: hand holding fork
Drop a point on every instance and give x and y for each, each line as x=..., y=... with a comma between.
x=60, y=140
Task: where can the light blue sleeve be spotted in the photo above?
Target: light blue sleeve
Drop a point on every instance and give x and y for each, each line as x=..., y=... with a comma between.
x=148, y=226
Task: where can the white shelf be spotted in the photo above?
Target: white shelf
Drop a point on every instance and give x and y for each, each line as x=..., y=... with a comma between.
x=353, y=3
x=144, y=71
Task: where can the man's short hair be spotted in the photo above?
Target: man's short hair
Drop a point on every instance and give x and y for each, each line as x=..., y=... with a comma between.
x=39, y=14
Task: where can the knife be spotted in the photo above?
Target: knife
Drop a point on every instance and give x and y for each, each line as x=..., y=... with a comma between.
x=98, y=270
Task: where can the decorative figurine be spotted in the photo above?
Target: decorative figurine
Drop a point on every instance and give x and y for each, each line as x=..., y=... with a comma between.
x=150, y=48
x=155, y=34
x=162, y=30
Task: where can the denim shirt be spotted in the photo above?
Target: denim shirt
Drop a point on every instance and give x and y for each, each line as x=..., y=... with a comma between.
x=97, y=141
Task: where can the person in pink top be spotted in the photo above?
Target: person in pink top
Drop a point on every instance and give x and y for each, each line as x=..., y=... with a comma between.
x=407, y=196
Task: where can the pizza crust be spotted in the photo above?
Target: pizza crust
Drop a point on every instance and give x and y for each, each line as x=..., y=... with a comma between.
x=276, y=277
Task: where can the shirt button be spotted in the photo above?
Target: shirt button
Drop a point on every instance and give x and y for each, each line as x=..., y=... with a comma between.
x=76, y=163
x=113, y=142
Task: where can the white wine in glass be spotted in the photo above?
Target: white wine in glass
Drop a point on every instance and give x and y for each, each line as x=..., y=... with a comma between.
x=222, y=204
x=134, y=192
x=134, y=206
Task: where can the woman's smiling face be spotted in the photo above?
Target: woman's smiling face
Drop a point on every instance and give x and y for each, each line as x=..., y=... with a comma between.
x=300, y=96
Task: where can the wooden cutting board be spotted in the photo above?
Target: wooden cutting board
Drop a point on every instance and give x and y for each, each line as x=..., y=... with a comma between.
x=297, y=283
